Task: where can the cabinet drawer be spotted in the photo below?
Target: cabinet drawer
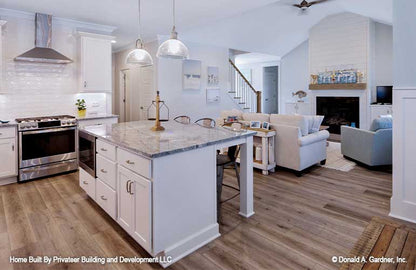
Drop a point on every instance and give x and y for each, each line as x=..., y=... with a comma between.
x=106, y=198
x=87, y=183
x=135, y=163
x=106, y=171
x=9, y=132
x=107, y=150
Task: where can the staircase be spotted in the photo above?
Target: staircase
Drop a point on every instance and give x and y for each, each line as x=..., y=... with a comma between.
x=242, y=92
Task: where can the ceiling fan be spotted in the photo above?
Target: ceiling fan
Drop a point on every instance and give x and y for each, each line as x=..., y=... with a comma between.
x=304, y=5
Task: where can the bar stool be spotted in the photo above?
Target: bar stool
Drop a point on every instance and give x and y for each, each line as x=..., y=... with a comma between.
x=228, y=161
x=183, y=119
x=206, y=122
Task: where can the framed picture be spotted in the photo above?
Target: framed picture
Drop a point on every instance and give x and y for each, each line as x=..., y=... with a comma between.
x=213, y=95
x=265, y=125
x=191, y=74
x=213, y=76
x=255, y=124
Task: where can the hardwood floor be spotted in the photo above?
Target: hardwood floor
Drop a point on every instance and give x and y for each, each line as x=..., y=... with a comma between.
x=300, y=223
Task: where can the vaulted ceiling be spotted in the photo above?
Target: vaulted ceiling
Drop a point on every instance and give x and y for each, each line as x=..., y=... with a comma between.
x=267, y=26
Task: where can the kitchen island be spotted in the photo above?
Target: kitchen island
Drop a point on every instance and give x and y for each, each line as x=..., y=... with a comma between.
x=161, y=186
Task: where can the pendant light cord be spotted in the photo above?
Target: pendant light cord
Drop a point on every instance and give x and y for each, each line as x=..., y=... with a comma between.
x=140, y=20
x=174, y=14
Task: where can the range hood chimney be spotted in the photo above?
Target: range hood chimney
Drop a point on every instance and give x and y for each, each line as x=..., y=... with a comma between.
x=43, y=52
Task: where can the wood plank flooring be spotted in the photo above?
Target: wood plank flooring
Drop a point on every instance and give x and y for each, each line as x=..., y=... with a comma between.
x=300, y=223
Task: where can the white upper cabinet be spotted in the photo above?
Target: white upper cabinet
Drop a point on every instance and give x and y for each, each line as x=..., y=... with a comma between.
x=95, y=62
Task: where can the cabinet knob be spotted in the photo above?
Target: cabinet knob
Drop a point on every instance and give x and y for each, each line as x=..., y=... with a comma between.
x=103, y=171
x=103, y=198
x=129, y=162
x=103, y=149
x=85, y=182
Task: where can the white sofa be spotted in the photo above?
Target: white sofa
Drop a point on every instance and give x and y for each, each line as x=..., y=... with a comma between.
x=297, y=146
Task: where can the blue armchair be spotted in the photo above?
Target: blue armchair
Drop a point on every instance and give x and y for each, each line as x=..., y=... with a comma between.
x=373, y=148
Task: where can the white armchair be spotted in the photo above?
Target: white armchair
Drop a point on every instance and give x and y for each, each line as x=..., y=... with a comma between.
x=295, y=151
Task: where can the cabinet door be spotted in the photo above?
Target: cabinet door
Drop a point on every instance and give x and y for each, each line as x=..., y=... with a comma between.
x=143, y=212
x=8, y=158
x=96, y=64
x=125, y=213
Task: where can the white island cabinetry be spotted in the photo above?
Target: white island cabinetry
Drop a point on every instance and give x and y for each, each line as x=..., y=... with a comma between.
x=161, y=187
x=8, y=155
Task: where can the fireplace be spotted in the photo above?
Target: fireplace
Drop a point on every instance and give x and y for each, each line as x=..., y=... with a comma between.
x=339, y=111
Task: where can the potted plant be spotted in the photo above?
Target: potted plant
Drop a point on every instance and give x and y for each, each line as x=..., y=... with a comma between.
x=82, y=108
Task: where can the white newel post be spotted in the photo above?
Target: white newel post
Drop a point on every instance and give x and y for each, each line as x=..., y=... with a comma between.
x=246, y=178
x=403, y=201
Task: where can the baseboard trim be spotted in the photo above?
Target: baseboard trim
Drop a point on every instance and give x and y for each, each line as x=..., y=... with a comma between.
x=7, y=181
x=402, y=218
x=191, y=243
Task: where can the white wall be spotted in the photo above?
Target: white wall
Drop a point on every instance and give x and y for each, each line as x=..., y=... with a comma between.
x=33, y=89
x=193, y=103
x=383, y=62
x=403, y=201
x=294, y=74
x=168, y=80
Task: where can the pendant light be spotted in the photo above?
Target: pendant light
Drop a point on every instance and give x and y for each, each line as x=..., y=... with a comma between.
x=139, y=56
x=173, y=48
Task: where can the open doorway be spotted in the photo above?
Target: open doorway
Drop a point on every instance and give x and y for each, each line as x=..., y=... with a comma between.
x=136, y=85
x=270, y=89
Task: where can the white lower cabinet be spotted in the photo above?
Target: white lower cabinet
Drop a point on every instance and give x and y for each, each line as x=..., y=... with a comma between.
x=105, y=196
x=8, y=152
x=135, y=206
x=87, y=183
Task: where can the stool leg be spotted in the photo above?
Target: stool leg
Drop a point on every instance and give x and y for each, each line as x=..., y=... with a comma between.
x=237, y=174
x=220, y=177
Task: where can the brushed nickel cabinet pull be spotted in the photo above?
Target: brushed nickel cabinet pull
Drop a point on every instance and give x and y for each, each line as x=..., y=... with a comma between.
x=13, y=147
x=131, y=182
x=103, y=149
x=103, y=198
x=103, y=171
x=130, y=162
x=85, y=182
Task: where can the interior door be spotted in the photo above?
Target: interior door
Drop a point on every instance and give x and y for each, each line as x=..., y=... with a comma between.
x=125, y=213
x=138, y=93
x=270, y=89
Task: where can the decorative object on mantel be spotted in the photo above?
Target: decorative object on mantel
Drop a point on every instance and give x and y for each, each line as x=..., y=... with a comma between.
x=338, y=78
x=82, y=108
x=300, y=94
x=139, y=56
x=173, y=48
x=191, y=75
x=161, y=113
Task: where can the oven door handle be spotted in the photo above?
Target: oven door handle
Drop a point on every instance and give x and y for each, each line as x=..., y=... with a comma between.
x=47, y=130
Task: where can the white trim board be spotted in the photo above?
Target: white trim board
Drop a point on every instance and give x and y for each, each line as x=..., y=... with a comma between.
x=403, y=201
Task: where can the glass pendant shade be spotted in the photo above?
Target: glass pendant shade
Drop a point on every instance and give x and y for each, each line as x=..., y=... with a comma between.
x=173, y=48
x=139, y=56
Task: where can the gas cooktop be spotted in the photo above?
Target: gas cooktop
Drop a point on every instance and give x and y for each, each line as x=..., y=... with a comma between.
x=43, y=122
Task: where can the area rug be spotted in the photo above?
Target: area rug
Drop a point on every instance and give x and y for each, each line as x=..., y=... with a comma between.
x=335, y=160
x=384, y=244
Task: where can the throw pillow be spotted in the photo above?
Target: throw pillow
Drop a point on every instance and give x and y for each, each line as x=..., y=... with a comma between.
x=317, y=121
x=381, y=123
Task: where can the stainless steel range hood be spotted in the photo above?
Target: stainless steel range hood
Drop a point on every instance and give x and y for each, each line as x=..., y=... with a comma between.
x=43, y=52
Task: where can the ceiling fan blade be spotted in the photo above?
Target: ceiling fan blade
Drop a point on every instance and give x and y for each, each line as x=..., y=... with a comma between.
x=317, y=2
x=297, y=5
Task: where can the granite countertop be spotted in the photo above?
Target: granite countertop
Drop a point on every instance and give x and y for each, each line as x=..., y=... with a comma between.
x=97, y=116
x=138, y=138
x=10, y=124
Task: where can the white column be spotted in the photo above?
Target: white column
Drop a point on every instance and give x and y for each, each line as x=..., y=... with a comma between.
x=246, y=178
x=403, y=201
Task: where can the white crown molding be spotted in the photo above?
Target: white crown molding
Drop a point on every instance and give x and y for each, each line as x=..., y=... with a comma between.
x=94, y=35
x=107, y=29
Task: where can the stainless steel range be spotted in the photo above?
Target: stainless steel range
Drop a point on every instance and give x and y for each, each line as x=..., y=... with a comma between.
x=47, y=146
